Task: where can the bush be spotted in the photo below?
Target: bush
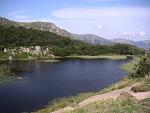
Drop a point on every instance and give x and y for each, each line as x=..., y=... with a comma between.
x=143, y=68
x=138, y=88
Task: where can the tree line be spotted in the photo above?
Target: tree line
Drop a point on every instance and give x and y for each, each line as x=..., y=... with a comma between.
x=11, y=36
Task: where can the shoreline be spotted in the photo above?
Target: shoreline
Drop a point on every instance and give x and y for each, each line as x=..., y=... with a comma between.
x=59, y=58
x=111, y=57
x=72, y=101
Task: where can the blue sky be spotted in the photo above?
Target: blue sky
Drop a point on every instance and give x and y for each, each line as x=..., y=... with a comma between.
x=107, y=18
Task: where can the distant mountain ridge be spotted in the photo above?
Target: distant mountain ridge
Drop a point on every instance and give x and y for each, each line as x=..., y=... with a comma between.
x=121, y=40
x=89, y=38
x=47, y=26
x=93, y=39
x=43, y=26
x=142, y=44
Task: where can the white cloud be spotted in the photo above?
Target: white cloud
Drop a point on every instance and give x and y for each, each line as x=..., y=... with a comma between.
x=99, y=27
x=19, y=14
x=35, y=20
x=22, y=17
x=99, y=0
x=98, y=13
x=142, y=33
x=128, y=34
x=45, y=20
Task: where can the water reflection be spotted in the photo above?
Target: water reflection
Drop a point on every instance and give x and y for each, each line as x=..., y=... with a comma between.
x=45, y=81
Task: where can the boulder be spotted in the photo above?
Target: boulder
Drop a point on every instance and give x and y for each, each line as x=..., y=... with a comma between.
x=125, y=95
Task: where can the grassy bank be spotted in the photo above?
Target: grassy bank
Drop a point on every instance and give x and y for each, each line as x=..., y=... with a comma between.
x=116, y=106
x=129, y=67
x=119, y=105
x=112, y=57
x=24, y=57
x=74, y=100
x=50, y=60
x=58, y=58
x=141, y=80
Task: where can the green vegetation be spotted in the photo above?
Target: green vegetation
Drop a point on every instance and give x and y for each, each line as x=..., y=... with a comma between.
x=142, y=86
x=3, y=56
x=116, y=106
x=129, y=67
x=7, y=73
x=63, y=102
x=18, y=36
x=50, y=60
x=95, y=50
x=142, y=69
x=23, y=56
x=112, y=57
x=109, y=106
x=11, y=37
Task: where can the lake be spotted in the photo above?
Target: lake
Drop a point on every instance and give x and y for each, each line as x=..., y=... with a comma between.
x=43, y=82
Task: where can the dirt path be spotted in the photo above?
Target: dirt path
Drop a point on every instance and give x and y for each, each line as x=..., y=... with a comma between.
x=66, y=109
x=110, y=95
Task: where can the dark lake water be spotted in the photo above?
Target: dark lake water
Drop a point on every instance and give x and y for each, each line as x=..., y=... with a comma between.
x=43, y=82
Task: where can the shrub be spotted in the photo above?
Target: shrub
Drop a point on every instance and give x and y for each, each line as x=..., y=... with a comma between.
x=143, y=68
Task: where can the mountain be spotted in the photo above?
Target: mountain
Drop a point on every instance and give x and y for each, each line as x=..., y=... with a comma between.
x=93, y=39
x=89, y=38
x=43, y=26
x=142, y=44
x=47, y=26
x=121, y=40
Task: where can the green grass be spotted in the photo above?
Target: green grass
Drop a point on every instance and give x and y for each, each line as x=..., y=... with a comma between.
x=24, y=56
x=129, y=67
x=63, y=102
x=112, y=57
x=125, y=82
x=74, y=100
x=3, y=56
x=116, y=106
x=142, y=86
x=50, y=60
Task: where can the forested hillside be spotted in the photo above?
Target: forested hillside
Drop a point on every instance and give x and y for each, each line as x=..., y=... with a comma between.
x=42, y=26
x=20, y=36
x=11, y=36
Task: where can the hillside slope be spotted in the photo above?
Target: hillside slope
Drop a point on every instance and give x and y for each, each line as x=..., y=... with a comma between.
x=89, y=38
x=142, y=44
x=43, y=26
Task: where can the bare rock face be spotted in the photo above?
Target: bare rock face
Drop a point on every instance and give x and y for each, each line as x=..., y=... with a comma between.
x=10, y=58
x=125, y=95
